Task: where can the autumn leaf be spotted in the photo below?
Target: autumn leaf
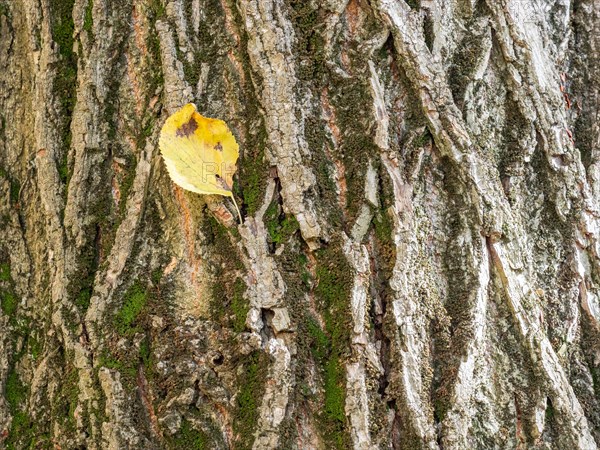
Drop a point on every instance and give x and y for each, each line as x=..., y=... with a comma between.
x=200, y=153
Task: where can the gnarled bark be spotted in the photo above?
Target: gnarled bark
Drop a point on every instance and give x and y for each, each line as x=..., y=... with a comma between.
x=419, y=259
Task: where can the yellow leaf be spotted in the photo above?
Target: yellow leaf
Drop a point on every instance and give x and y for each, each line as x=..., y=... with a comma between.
x=200, y=153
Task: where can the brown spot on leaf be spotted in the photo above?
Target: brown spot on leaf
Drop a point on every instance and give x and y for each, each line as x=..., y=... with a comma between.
x=187, y=128
x=221, y=182
x=219, y=147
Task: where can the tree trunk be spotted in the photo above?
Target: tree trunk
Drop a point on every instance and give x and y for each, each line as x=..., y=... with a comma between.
x=419, y=263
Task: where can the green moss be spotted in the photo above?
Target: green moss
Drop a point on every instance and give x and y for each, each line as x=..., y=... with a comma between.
x=4, y=220
x=308, y=20
x=15, y=391
x=324, y=348
x=156, y=276
x=228, y=289
x=384, y=248
x=157, y=9
x=279, y=226
x=289, y=226
x=305, y=275
x=80, y=287
x=254, y=171
x=383, y=227
x=320, y=343
x=108, y=361
x=146, y=128
x=35, y=347
x=88, y=19
x=550, y=412
x=332, y=416
x=63, y=26
x=4, y=11
x=71, y=391
x=62, y=29
x=125, y=364
x=251, y=388
x=20, y=434
x=212, y=42
x=4, y=271
x=83, y=298
x=153, y=60
x=127, y=183
x=9, y=302
x=189, y=438
x=334, y=393
x=358, y=145
x=65, y=401
x=440, y=408
x=309, y=47
x=145, y=354
x=253, y=167
x=134, y=302
x=62, y=33
x=191, y=70
x=63, y=169
x=110, y=111
x=252, y=179
x=326, y=184
x=15, y=189
x=334, y=281
x=239, y=306
x=423, y=139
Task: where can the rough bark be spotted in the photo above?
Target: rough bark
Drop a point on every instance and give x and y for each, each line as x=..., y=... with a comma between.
x=419, y=263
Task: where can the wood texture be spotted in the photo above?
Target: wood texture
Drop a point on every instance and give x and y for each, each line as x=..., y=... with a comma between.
x=418, y=266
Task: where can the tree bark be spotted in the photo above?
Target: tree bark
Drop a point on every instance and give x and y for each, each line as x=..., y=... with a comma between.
x=419, y=262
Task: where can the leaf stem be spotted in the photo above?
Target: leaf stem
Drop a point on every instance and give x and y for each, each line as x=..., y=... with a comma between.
x=237, y=209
